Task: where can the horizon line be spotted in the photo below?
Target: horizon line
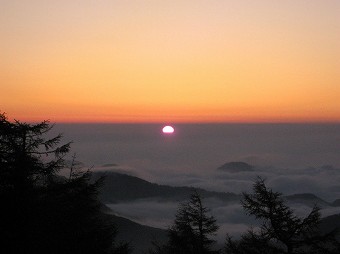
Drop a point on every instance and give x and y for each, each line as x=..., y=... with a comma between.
x=192, y=122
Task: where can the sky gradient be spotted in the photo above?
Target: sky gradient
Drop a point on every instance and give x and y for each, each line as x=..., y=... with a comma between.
x=170, y=60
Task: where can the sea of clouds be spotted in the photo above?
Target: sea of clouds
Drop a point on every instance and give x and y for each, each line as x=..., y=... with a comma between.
x=293, y=158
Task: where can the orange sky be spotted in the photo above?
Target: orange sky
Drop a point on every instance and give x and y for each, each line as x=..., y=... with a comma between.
x=170, y=60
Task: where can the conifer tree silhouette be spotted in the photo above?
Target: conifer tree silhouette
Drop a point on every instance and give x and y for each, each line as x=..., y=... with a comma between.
x=192, y=229
x=281, y=231
x=43, y=212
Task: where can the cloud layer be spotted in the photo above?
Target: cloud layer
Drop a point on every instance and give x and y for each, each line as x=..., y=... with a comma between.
x=292, y=158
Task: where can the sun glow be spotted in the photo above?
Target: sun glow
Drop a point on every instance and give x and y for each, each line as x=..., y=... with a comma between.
x=168, y=129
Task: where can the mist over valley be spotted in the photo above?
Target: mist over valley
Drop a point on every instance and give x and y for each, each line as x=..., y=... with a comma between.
x=148, y=174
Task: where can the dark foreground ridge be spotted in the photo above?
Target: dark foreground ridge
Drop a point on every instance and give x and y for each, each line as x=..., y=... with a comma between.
x=139, y=237
x=121, y=187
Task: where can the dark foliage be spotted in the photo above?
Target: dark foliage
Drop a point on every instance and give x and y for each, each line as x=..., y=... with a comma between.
x=192, y=229
x=43, y=212
x=281, y=231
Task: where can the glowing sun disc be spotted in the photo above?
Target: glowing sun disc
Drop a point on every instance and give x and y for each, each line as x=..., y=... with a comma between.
x=168, y=129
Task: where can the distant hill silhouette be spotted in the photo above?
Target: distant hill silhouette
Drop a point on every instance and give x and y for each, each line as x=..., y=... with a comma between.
x=235, y=167
x=330, y=223
x=336, y=203
x=121, y=187
x=139, y=237
x=308, y=199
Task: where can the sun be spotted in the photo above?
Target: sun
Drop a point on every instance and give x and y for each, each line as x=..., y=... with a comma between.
x=168, y=129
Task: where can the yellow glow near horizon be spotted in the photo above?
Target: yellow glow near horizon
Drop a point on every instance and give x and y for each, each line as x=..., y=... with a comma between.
x=178, y=61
